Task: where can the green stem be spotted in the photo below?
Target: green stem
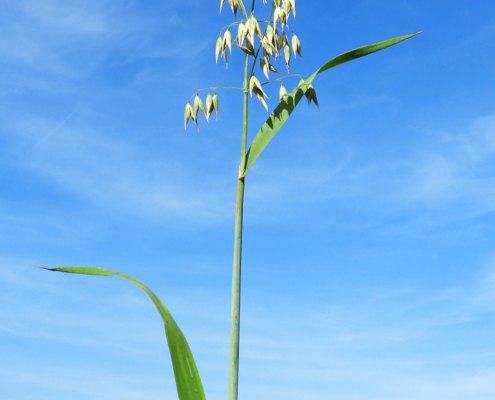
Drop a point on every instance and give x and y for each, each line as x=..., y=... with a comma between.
x=251, y=73
x=236, y=296
x=235, y=316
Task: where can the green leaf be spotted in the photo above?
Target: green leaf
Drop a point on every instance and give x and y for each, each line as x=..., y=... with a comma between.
x=189, y=386
x=282, y=112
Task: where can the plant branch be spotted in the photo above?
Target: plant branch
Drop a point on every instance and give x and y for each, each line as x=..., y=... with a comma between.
x=251, y=72
x=232, y=24
x=283, y=77
x=215, y=88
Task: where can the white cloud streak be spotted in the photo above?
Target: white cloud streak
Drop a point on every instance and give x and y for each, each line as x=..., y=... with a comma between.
x=384, y=339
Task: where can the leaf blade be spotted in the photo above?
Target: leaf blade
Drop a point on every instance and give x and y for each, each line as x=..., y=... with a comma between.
x=188, y=382
x=282, y=112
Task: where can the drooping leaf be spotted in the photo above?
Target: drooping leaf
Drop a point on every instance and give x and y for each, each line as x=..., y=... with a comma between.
x=189, y=386
x=282, y=112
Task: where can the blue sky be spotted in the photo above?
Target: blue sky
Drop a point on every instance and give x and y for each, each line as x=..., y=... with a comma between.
x=369, y=252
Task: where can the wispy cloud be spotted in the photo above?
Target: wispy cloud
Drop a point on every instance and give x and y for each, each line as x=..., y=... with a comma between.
x=91, y=141
x=48, y=37
x=40, y=382
x=396, y=341
x=456, y=168
x=54, y=49
x=442, y=178
x=485, y=294
x=114, y=173
x=449, y=174
x=52, y=46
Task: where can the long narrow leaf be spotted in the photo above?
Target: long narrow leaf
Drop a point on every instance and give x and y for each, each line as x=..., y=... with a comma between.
x=285, y=108
x=189, y=386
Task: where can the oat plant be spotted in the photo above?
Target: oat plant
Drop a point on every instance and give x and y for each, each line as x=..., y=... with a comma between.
x=263, y=42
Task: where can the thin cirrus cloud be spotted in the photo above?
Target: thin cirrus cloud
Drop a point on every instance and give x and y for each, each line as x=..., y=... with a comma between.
x=451, y=175
x=45, y=58
x=110, y=172
x=51, y=45
x=73, y=382
x=334, y=344
x=56, y=32
x=456, y=168
x=446, y=176
x=80, y=149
